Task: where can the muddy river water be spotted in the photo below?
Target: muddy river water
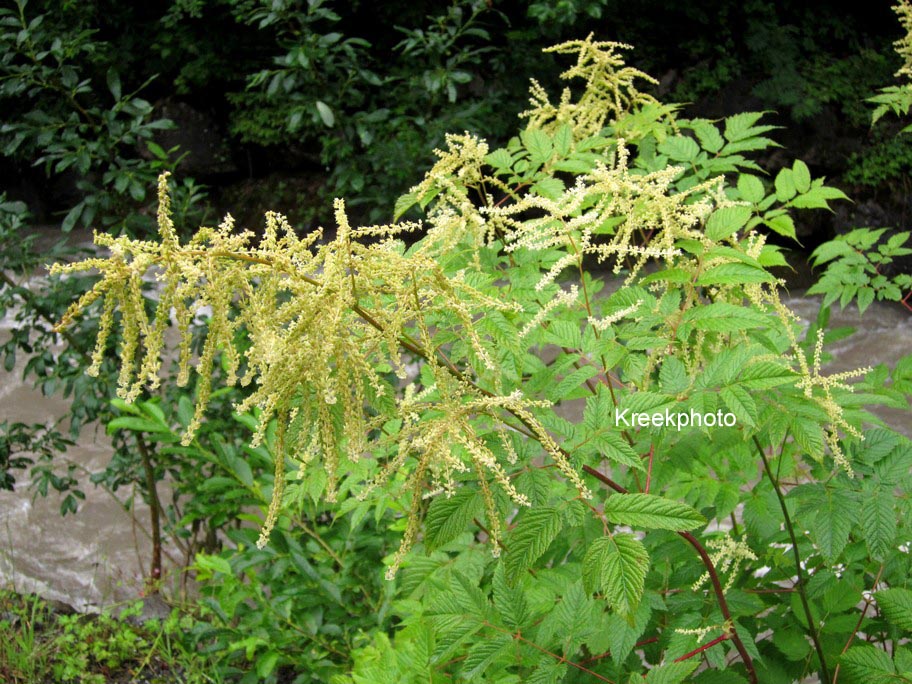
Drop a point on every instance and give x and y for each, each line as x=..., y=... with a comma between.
x=96, y=557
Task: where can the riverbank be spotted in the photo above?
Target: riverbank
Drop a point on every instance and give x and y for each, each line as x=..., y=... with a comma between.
x=49, y=641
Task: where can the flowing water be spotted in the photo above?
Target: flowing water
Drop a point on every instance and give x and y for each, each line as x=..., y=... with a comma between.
x=96, y=557
x=86, y=560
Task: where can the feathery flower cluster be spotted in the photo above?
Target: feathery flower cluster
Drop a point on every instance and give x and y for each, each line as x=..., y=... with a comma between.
x=811, y=378
x=562, y=298
x=637, y=204
x=602, y=324
x=321, y=320
x=729, y=554
x=453, y=217
x=447, y=443
x=609, y=93
x=701, y=632
x=904, y=45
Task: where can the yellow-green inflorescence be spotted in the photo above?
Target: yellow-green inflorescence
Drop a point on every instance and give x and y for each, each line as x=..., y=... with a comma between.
x=904, y=45
x=332, y=325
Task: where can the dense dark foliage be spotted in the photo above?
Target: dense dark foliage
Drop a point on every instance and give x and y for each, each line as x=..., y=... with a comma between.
x=293, y=101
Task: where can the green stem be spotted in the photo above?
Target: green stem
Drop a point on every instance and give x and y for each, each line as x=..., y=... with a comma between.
x=799, y=585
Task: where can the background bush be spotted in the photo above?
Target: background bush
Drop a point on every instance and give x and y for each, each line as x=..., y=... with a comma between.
x=306, y=100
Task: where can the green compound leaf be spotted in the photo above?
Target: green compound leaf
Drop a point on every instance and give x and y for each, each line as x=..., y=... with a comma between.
x=869, y=665
x=724, y=317
x=817, y=197
x=837, y=511
x=671, y=673
x=879, y=524
x=530, y=538
x=483, y=654
x=725, y=221
x=865, y=298
x=801, y=176
x=741, y=404
x=326, y=114
x=552, y=188
x=539, y=145
x=673, y=376
x=548, y=671
x=448, y=517
x=751, y=188
x=734, y=274
x=680, y=148
x=651, y=512
x=614, y=448
x=135, y=425
x=617, y=565
x=740, y=127
x=500, y=159
x=783, y=224
x=896, y=604
x=510, y=602
x=765, y=374
x=403, y=204
x=785, y=185
x=708, y=135
x=563, y=140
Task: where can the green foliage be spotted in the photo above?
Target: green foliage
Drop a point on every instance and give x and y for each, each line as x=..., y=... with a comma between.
x=295, y=608
x=40, y=644
x=68, y=111
x=65, y=112
x=354, y=94
x=617, y=566
x=315, y=579
x=382, y=375
x=859, y=267
x=419, y=382
x=32, y=310
x=651, y=512
x=855, y=269
x=896, y=605
x=216, y=458
x=325, y=85
x=529, y=540
x=897, y=99
x=793, y=59
x=887, y=161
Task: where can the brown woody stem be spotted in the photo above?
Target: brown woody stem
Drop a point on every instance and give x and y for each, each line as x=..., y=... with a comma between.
x=155, y=572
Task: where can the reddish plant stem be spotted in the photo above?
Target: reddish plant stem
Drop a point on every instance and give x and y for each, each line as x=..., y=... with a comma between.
x=861, y=618
x=606, y=654
x=649, y=469
x=710, y=569
x=503, y=199
x=704, y=647
x=519, y=637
